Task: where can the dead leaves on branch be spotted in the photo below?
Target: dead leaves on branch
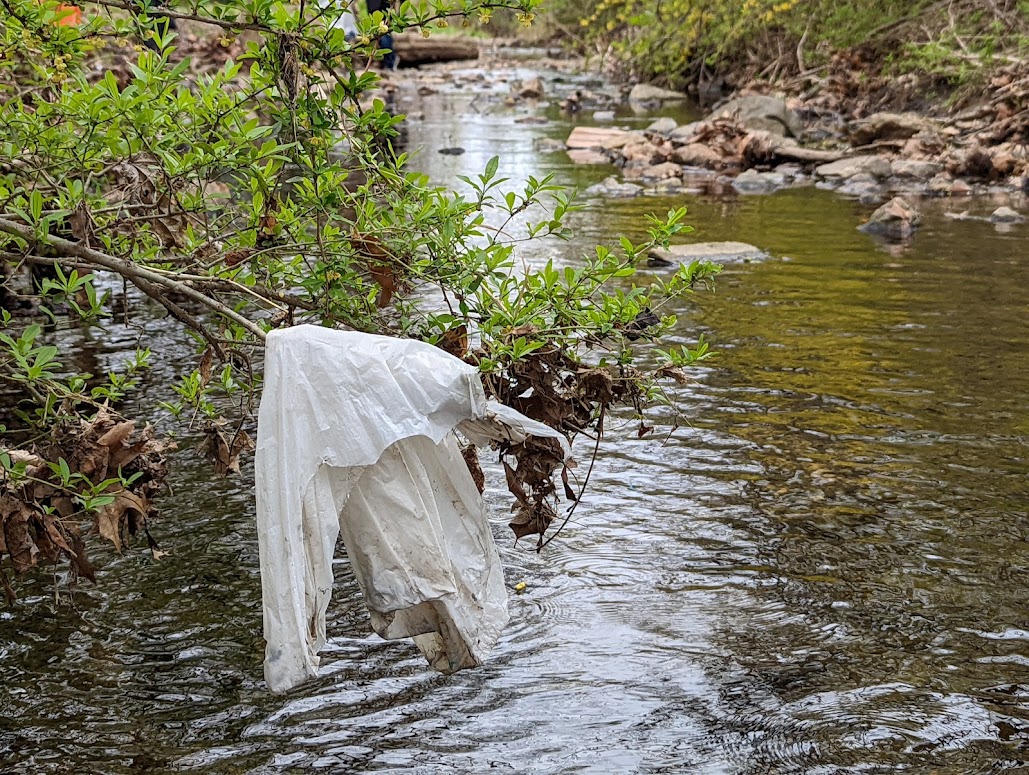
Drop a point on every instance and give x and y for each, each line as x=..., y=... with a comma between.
x=42, y=510
x=551, y=387
x=224, y=450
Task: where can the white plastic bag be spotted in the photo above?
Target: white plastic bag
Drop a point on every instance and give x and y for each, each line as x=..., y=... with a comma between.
x=355, y=439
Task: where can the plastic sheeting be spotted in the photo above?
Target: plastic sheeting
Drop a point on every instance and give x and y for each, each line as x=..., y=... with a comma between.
x=355, y=439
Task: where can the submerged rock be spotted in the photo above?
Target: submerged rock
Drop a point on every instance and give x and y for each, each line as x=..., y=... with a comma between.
x=897, y=219
x=718, y=252
x=548, y=145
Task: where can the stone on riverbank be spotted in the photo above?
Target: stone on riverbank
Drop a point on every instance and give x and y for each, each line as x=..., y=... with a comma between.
x=889, y=126
x=645, y=153
x=762, y=112
x=717, y=252
x=697, y=155
x=653, y=172
x=663, y=126
x=897, y=219
x=864, y=186
x=913, y=168
x=875, y=166
x=644, y=92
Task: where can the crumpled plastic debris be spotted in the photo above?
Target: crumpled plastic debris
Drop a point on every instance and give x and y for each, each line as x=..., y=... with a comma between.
x=355, y=439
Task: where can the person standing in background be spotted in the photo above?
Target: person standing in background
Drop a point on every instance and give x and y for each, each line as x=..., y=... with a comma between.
x=389, y=61
x=346, y=20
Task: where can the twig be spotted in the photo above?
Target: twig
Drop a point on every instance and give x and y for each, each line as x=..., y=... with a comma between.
x=128, y=269
x=585, y=482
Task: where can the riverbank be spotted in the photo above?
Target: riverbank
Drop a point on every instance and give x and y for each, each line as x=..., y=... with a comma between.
x=758, y=141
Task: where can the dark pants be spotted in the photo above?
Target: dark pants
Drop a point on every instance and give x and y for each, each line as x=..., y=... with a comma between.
x=389, y=61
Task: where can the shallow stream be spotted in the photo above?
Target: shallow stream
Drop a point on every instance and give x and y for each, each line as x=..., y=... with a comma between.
x=824, y=571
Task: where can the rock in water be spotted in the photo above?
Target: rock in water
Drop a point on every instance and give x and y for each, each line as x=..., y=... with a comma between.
x=762, y=112
x=531, y=89
x=611, y=187
x=897, y=219
x=587, y=156
x=1006, y=215
x=717, y=252
x=754, y=182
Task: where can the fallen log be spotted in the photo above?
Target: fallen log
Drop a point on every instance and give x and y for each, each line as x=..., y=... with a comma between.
x=760, y=147
x=414, y=50
x=796, y=153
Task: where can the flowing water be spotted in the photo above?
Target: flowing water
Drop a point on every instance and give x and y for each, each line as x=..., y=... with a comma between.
x=822, y=570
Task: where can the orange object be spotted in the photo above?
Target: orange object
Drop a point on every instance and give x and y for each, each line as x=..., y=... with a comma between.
x=72, y=15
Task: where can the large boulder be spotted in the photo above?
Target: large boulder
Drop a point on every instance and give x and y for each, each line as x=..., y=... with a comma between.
x=855, y=165
x=762, y=112
x=889, y=126
x=897, y=219
x=644, y=92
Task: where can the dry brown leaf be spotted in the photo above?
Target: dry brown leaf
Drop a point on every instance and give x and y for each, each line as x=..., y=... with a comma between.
x=225, y=454
x=455, y=341
x=205, y=366
x=81, y=222
x=110, y=519
x=118, y=434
